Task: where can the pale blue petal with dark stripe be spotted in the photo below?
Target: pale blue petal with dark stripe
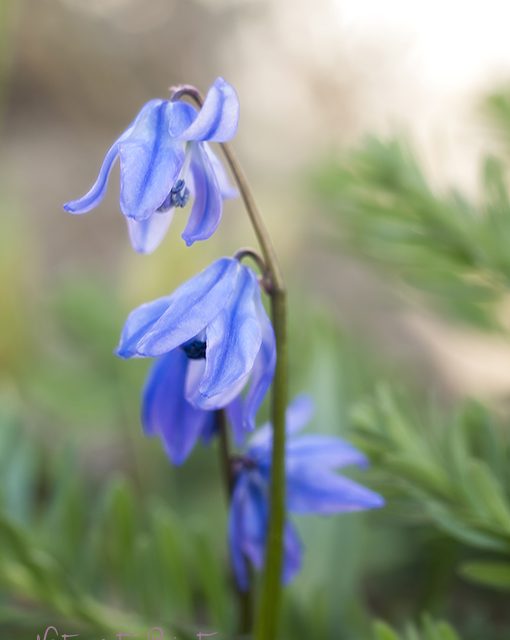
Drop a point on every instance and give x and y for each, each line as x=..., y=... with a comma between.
x=207, y=205
x=96, y=193
x=233, y=342
x=192, y=308
x=150, y=162
x=218, y=118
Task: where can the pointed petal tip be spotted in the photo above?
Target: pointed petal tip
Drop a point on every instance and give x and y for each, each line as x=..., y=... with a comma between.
x=370, y=500
x=189, y=240
x=73, y=207
x=144, y=251
x=176, y=460
x=378, y=502
x=124, y=353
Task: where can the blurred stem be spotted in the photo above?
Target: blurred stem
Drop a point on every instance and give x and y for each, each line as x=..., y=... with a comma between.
x=225, y=455
x=270, y=598
x=245, y=598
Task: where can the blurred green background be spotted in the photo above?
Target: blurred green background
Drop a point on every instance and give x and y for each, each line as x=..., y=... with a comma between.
x=393, y=226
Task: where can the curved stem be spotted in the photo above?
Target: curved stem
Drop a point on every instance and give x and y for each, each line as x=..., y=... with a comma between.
x=268, y=614
x=269, y=607
x=263, y=237
x=262, y=234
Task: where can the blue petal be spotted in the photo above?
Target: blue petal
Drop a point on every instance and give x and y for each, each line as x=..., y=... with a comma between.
x=326, y=452
x=96, y=193
x=207, y=205
x=298, y=414
x=146, y=235
x=310, y=490
x=158, y=327
x=263, y=369
x=139, y=321
x=226, y=189
x=292, y=553
x=218, y=118
x=233, y=341
x=166, y=413
x=150, y=162
x=182, y=115
x=235, y=415
x=236, y=532
x=248, y=525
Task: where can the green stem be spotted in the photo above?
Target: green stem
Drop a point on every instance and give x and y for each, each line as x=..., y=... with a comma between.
x=269, y=608
x=266, y=625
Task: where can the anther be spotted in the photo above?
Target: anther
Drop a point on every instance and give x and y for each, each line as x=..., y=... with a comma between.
x=178, y=196
x=194, y=349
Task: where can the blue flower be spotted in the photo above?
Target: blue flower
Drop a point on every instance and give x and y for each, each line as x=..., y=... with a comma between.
x=163, y=158
x=312, y=487
x=217, y=321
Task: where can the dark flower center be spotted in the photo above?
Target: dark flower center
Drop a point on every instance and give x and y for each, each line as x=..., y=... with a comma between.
x=240, y=463
x=194, y=349
x=178, y=196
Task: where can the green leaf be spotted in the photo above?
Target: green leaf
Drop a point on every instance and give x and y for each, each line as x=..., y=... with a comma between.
x=488, y=495
x=459, y=529
x=384, y=632
x=490, y=574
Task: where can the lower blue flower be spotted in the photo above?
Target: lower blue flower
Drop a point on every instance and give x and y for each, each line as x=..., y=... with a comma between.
x=313, y=487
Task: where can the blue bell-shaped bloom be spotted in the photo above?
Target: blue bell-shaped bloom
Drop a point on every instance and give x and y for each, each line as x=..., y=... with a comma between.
x=164, y=157
x=218, y=322
x=312, y=485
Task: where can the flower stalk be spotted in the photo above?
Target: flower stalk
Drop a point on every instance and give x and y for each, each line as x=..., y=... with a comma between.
x=269, y=606
x=266, y=624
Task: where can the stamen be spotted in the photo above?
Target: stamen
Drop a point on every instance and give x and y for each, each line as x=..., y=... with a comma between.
x=195, y=349
x=178, y=196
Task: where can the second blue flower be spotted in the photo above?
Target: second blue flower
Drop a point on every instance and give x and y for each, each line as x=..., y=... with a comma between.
x=217, y=319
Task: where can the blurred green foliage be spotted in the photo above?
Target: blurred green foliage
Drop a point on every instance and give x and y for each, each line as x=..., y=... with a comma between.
x=453, y=472
x=442, y=245
x=427, y=630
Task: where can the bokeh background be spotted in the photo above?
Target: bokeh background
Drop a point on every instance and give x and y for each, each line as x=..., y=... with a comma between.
x=375, y=136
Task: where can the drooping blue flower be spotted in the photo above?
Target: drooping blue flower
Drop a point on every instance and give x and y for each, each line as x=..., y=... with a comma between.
x=218, y=322
x=313, y=487
x=164, y=156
